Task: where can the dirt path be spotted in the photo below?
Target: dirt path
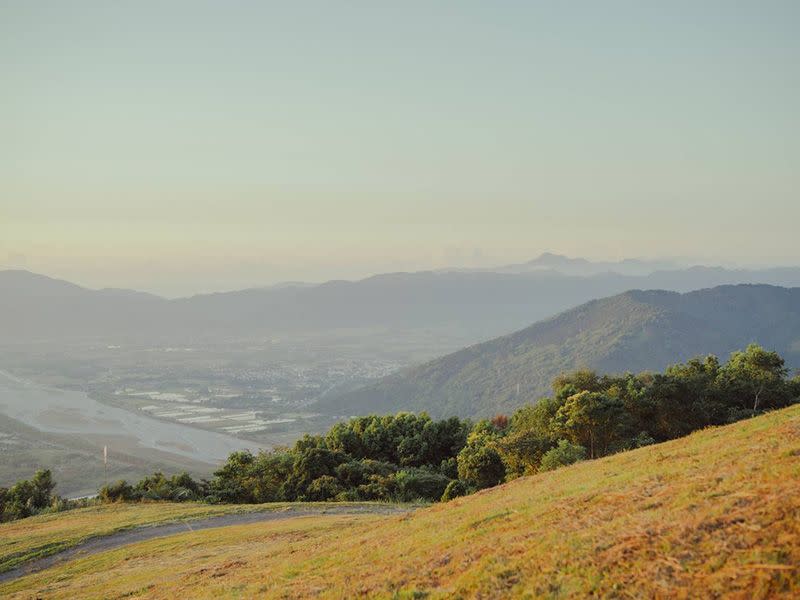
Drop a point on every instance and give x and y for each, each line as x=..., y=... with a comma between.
x=145, y=532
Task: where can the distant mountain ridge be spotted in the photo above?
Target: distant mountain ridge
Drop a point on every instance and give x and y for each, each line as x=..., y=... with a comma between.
x=465, y=306
x=634, y=331
x=584, y=267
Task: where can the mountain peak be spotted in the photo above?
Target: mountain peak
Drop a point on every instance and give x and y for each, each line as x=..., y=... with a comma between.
x=550, y=259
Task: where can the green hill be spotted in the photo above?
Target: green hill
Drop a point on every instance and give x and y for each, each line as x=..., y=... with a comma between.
x=715, y=514
x=634, y=331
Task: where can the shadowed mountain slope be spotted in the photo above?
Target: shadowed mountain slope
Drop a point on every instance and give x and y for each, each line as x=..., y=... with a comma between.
x=633, y=331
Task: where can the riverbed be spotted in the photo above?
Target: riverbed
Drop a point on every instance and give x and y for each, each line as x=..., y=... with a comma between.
x=53, y=410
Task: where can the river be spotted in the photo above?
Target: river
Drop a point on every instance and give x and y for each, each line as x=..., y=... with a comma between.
x=69, y=412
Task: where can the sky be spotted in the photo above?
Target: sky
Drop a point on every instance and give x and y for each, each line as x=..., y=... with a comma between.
x=180, y=147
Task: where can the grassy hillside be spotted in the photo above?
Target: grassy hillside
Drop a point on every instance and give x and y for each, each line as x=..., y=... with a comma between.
x=633, y=331
x=48, y=534
x=716, y=513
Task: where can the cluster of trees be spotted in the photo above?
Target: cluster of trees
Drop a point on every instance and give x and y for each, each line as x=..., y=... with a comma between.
x=408, y=457
x=28, y=497
x=591, y=415
x=178, y=488
x=402, y=457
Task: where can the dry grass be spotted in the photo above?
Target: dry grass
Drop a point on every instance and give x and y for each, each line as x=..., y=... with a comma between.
x=715, y=514
x=48, y=534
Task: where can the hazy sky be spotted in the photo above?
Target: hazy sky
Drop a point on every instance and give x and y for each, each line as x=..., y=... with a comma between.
x=186, y=146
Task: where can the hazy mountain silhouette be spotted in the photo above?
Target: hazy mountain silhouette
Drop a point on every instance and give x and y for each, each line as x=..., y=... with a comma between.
x=583, y=267
x=473, y=305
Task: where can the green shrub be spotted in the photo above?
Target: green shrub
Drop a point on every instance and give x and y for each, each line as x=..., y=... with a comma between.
x=480, y=465
x=565, y=453
x=455, y=489
x=323, y=488
x=420, y=484
x=119, y=491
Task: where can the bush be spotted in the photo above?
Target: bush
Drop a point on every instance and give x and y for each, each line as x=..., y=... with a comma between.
x=420, y=484
x=642, y=439
x=178, y=488
x=566, y=453
x=377, y=490
x=119, y=491
x=449, y=467
x=480, y=465
x=323, y=488
x=455, y=489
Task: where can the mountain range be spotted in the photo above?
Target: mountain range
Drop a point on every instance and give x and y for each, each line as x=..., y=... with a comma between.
x=633, y=331
x=466, y=305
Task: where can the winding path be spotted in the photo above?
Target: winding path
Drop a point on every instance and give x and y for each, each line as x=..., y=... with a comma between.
x=149, y=532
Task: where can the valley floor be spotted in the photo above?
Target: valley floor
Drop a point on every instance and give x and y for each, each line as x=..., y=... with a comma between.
x=714, y=514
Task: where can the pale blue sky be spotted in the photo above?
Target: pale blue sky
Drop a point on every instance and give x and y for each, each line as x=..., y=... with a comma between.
x=186, y=146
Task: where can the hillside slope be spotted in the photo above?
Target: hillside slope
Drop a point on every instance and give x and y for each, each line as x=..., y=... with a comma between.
x=713, y=514
x=634, y=331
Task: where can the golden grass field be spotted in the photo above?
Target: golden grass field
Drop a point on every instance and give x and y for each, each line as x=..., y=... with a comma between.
x=46, y=534
x=714, y=514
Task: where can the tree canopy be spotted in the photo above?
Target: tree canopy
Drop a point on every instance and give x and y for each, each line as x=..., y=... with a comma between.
x=407, y=457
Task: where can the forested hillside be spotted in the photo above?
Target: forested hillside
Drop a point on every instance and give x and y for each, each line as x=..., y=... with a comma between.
x=634, y=331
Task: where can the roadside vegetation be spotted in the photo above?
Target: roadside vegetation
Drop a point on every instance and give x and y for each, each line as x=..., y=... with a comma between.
x=34, y=496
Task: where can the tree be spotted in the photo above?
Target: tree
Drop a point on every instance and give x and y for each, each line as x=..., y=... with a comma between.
x=480, y=465
x=684, y=398
x=500, y=422
x=230, y=483
x=444, y=439
x=758, y=375
x=565, y=453
x=569, y=384
x=522, y=451
x=43, y=486
x=592, y=420
x=267, y=474
x=323, y=488
x=311, y=464
x=19, y=503
x=528, y=437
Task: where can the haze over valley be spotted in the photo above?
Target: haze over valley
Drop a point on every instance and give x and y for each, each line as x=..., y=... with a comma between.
x=262, y=367
x=412, y=300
